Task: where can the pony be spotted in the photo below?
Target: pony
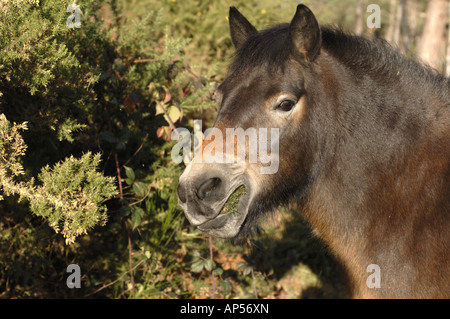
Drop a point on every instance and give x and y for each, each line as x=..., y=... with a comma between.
x=363, y=149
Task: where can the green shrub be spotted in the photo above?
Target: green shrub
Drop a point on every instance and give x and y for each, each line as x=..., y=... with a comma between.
x=80, y=91
x=71, y=193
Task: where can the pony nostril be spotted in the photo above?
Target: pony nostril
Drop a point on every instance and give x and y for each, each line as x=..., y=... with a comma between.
x=207, y=187
x=181, y=190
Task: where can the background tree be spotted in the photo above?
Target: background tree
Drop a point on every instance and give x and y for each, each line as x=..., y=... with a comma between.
x=448, y=44
x=432, y=42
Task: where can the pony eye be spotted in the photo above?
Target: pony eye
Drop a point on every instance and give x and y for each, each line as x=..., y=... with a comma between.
x=286, y=105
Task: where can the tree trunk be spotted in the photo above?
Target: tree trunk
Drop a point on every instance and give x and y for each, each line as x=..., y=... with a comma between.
x=448, y=42
x=404, y=22
x=433, y=35
x=391, y=29
x=359, y=18
x=397, y=24
x=413, y=13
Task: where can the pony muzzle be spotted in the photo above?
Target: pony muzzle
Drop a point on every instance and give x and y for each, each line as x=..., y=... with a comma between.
x=203, y=191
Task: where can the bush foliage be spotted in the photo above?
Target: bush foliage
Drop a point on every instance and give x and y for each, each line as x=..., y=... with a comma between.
x=71, y=193
x=86, y=176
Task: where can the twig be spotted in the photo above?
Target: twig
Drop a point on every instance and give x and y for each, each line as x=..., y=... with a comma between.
x=137, y=151
x=254, y=284
x=143, y=198
x=119, y=179
x=130, y=260
x=192, y=73
x=172, y=125
x=146, y=60
x=212, y=273
x=113, y=282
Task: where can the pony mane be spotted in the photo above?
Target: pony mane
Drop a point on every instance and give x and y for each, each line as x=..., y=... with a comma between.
x=270, y=48
x=375, y=56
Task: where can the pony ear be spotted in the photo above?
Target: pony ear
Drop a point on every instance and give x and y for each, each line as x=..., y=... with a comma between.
x=240, y=28
x=304, y=34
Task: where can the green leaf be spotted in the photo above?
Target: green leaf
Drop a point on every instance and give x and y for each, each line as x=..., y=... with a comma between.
x=196, y=255
x=136, y=216
x=241, y=265
x=125, y=211
x=197, y=266
x=174, y=113
x=226, y=286
x=171, y=113
x=218, y=271
x=247, y=271
x=130, y=175
x=140, y=189
x=210, y=265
